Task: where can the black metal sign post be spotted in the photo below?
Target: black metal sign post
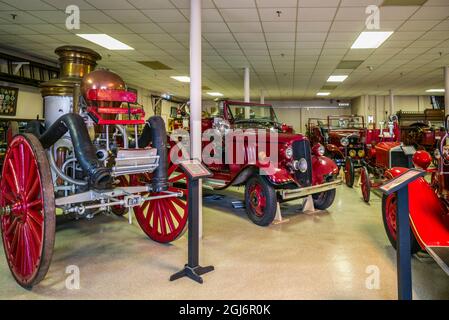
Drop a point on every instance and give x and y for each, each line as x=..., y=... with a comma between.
x=195, y=171
x=403, y=246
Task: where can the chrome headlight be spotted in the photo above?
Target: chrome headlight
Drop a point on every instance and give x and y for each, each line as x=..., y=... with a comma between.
x=352, y=153
x=344, y=141
x=321, y=150
x=300, y=165
x=289, y=153
x=361, y=153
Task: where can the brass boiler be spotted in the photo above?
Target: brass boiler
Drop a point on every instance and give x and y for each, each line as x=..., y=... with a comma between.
x=106, y=80
x=61, y=95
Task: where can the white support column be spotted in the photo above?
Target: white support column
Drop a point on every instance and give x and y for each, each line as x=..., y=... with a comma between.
x=246, y=86
x=195, y=92
x=392, y=111
x=446, y=94
x=262, y=96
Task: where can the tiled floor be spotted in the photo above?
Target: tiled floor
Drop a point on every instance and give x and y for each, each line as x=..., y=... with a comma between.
x=325, y=255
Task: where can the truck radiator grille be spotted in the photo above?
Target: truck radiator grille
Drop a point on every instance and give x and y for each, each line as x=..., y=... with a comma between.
x=301, y=149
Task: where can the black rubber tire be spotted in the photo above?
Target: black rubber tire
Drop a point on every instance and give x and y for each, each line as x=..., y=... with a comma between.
x=414, y=245
x=364, y=171
x=324, y=200
x=349, y=172
x=270, y=199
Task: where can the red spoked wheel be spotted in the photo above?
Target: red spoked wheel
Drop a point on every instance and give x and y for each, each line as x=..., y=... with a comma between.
x=28, y=210
x=349, y=172
x=123, y=181
x=389, y=216
x=164, y=220
x=365, y=184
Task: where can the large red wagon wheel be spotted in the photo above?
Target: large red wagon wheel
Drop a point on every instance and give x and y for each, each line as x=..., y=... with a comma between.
x=389, y=216
x=28, y=210
x=164, y=220
x=365, y=184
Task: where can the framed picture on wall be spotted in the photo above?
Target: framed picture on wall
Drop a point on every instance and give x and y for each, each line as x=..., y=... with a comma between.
x=8, y=100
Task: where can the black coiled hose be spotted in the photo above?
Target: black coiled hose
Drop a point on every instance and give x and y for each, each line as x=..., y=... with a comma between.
x=85, y=152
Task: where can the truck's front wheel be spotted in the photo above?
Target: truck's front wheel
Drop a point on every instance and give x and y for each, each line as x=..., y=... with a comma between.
x=323, y=200
x=260, y=201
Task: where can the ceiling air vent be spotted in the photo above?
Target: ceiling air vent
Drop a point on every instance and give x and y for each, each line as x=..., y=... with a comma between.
x=349, y=64
x=403, y=2
x=155, y=65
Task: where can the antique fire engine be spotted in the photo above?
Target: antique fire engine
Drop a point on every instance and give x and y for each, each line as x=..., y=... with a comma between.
x=89, y=158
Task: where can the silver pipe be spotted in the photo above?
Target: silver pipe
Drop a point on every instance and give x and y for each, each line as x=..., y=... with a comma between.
x=62, y=174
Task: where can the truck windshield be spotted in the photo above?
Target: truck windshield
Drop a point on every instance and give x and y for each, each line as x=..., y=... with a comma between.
x=346, y=123
x=252, y=113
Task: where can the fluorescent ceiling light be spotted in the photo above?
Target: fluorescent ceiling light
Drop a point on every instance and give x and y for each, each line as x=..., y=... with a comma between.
x=105, y=41
x=436, y=90
x=337, y=78
x=371, y=39
x=215, y=94
x=323, y=94
x=181, y=78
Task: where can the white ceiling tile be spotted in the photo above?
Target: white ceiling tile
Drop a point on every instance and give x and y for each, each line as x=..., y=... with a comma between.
x=209, y=27
x=316, y=14
x=174, y=27
x=219, y=37
x=418, y=25
x=235, y=3
x=277, y=3
x=355, y=26
x=110, y=4
x=125, y=16
x=432, y=13
x=29, y=4
x=360, y=3
x=311, y=36
x=240, y=15
x=245, y=27
x=110, y=28
x=95, y=16
x=164, y=15
x=401, y=36
x=281, y=37
x=435, y=35
x=210, y=15
x=351, y=14
x=278, y=14
x=152, y=4
x=279, y=26
x=397, y=12
x=249, y=37
x=20, y=18
x=144, y=28
x=50, y=16
x=320, y=3
x=314, y=26
x=342, y=36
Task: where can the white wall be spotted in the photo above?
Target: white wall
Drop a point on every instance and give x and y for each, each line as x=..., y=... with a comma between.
x=379, y=106
x=29, y=102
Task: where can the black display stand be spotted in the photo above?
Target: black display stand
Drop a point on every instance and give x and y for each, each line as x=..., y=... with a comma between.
x=403, y=249
x=195, y=171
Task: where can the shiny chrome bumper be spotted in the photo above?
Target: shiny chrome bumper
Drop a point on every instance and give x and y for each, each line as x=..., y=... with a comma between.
x=288, y=194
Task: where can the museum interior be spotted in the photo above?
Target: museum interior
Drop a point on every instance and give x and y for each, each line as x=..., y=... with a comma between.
x=224, y=149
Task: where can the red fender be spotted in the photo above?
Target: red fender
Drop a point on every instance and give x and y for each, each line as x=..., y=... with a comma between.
x=321, y=167
x=332, y=148
x=428, y=215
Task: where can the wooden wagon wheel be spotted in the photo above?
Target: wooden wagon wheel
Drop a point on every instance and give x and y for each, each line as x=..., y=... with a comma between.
x=164, y=220
x=365, y=184
x=28, y=210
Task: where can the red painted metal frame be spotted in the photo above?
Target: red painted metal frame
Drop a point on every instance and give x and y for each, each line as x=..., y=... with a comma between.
x=97, y=114
x=111, y=95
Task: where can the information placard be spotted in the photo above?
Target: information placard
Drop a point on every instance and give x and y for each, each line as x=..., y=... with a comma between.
x=195, y=169
x=401, y=181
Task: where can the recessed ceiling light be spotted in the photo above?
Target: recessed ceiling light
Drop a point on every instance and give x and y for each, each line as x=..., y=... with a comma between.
x=436, y=90
x=215, y=94
x=371, y=39
x=181, y=78
x=323, y=94
x=337, y=78
x=105, y=41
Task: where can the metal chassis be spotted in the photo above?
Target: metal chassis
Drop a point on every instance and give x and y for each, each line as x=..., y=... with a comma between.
x=290, y=194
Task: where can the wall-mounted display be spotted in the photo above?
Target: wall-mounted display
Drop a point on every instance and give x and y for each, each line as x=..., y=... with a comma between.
x=8, y=100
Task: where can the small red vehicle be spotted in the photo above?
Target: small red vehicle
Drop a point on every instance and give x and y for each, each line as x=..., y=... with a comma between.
x=298, y=172
x=428, y=206
x=423, y=130
x=344, y=138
